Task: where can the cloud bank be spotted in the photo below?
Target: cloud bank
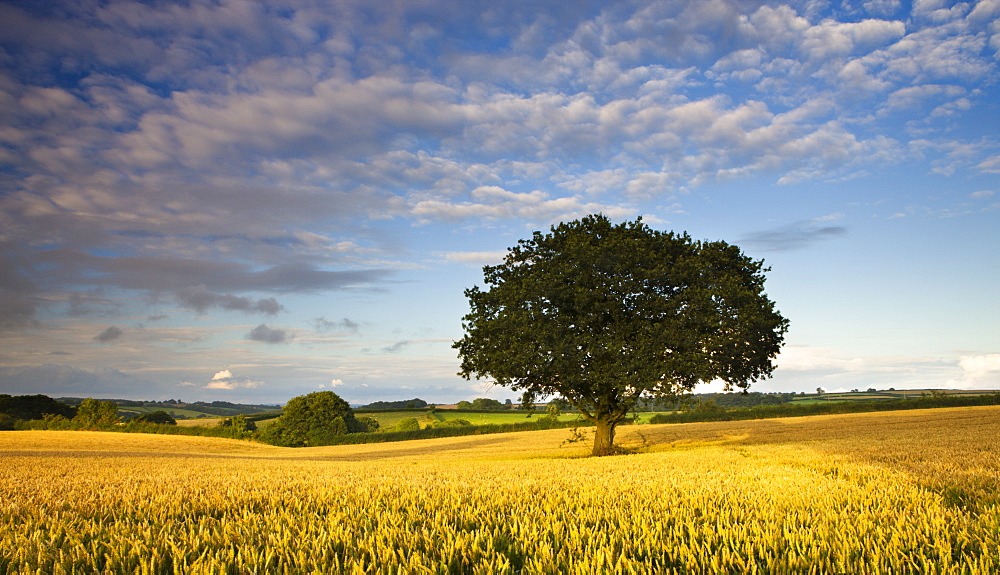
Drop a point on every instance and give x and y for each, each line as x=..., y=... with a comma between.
x=203, y=161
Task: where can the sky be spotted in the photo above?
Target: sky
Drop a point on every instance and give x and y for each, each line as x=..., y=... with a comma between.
x=248, y=201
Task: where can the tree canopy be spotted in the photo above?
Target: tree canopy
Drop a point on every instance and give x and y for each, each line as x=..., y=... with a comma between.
x=604, y=315
x=33, y=407
x=312, y=419
x=415, y=403
x=159, y=417
x=95, y=413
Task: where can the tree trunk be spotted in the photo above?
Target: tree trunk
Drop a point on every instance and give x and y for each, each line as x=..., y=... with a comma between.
x=604, y=437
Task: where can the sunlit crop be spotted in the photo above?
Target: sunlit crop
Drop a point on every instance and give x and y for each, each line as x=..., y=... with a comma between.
x=864, y=493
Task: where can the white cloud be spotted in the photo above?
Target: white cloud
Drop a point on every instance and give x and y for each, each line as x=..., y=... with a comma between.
x=938, y=11
x=831, y=362
x=535, y=206
x=484, y=258
x=912, y=97
x=978, y=372
x=985, y=11
x=882, y=7
x=225, y=380
x=836, y=39
x=224, y=374
x=596, y=183
x=990, y=165
x=652, y=184
x=810, y=358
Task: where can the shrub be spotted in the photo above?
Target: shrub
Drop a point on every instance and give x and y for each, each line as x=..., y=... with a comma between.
x=239, y=426
x=408, y=424
x=452, y=423
x=368, y=424
x=158, y=417
x=313, y=419
x=96, y=414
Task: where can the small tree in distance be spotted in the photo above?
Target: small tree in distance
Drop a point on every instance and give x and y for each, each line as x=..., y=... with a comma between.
x=159, y=417
x=95, y=414
x=604, y=315
x=486, y=404
x=312, y=419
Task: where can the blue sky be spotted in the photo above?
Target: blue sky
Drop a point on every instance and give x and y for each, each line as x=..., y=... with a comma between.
x=249, y=201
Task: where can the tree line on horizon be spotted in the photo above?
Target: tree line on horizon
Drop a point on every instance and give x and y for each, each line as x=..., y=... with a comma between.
x=323, y=418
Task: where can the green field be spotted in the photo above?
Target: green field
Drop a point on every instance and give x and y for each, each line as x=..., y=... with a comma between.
x=389, y=419
x=887, y=395
x=175, y=412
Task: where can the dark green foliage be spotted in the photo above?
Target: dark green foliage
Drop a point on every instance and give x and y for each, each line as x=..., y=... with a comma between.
x=33, y=407
x=706, y=406
x=486, y=404
x=404, y=404
x=555, y=408
x=96, y=414
x=528, y=402
x=255, y=417
x=368, y=424
x=129, y=403
x=481, y=404
x=452, y=423
x=313, y=419
x=239, y=426
x=157, y=417
x=408, y=424
x=604, y=315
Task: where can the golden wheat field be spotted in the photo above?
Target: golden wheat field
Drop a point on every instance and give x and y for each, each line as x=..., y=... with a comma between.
x=902, y=492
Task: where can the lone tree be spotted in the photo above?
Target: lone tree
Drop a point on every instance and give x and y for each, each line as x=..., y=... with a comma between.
x=604, y=315
x=312, y=419
x=95, y=414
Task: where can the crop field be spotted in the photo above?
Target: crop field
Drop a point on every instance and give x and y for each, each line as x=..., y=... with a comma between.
x=900, y=492
x=889, y=394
